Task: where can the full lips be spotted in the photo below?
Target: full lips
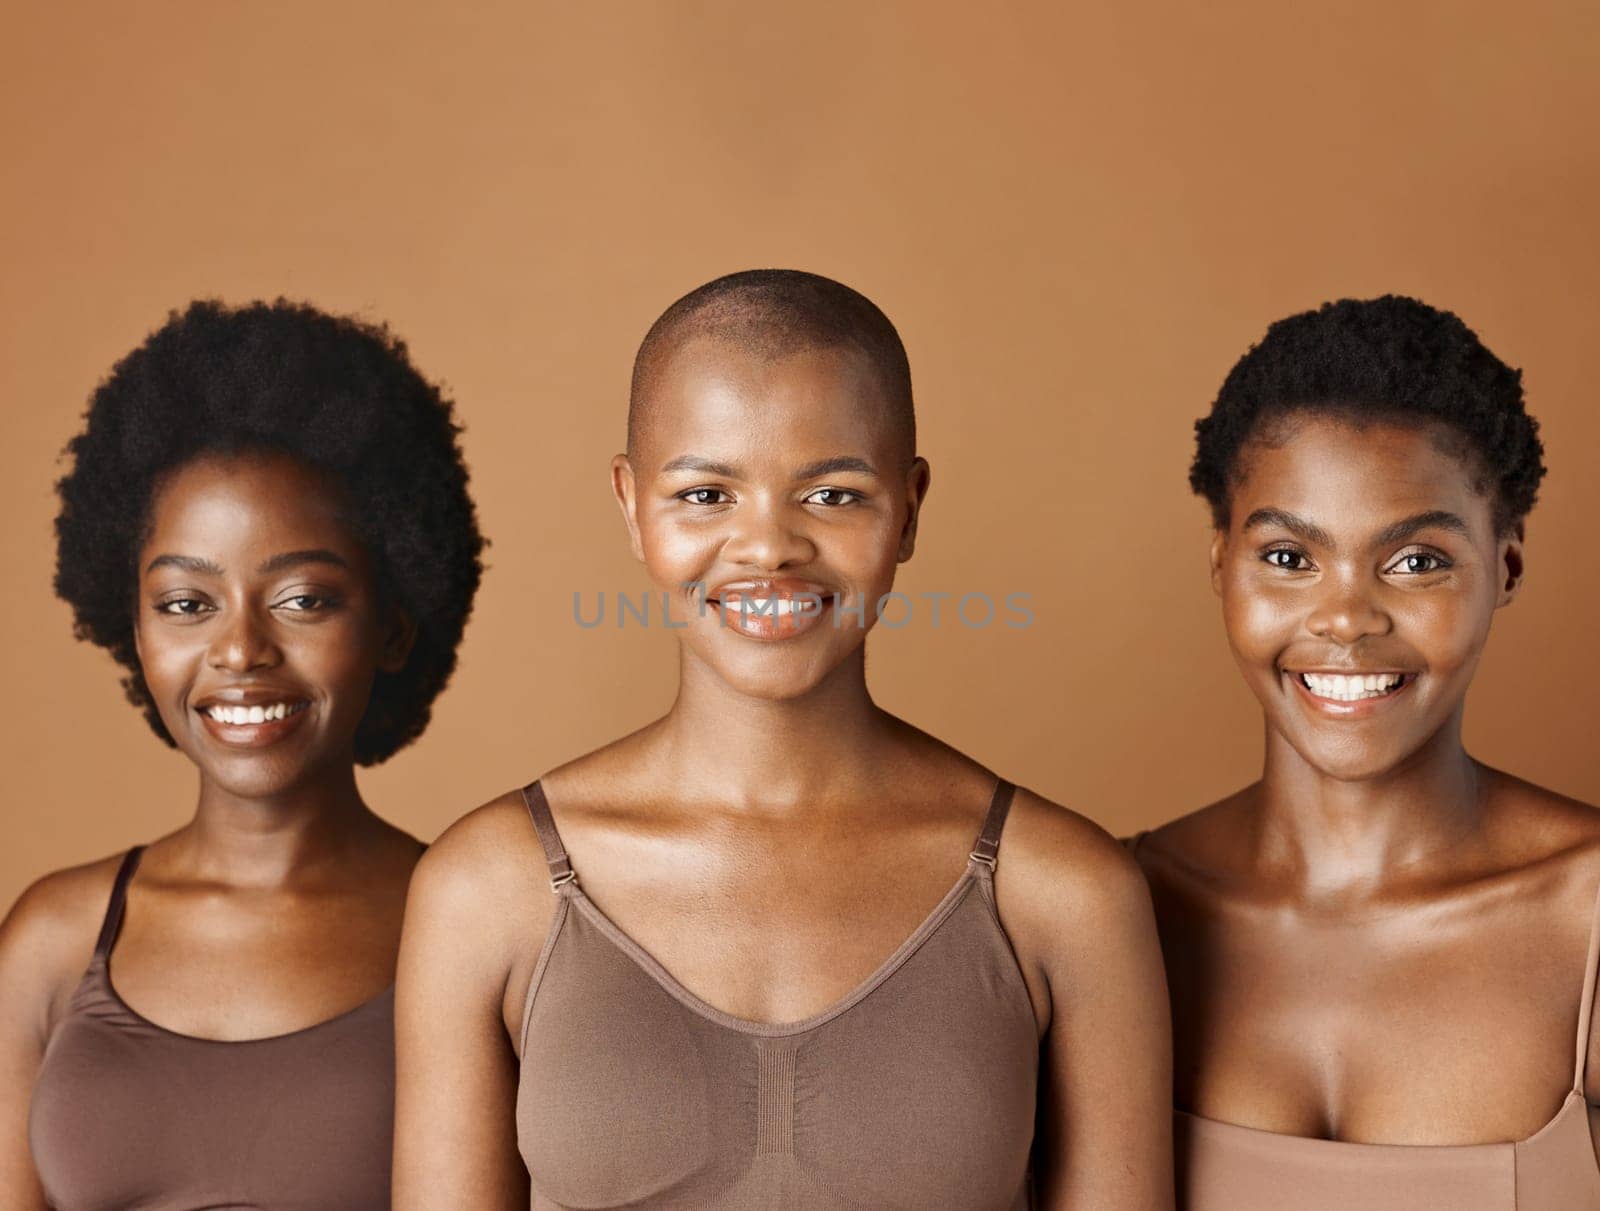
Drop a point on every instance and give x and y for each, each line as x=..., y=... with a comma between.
x=254, y=735
x=770, y=624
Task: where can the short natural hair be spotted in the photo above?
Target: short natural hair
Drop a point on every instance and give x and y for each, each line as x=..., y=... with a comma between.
x=1391, y=359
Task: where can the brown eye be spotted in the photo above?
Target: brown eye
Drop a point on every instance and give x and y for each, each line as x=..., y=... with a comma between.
x=182, y=607
x=1419, y=563
x=702, y=496
x=835, y=497
x=1289, y=561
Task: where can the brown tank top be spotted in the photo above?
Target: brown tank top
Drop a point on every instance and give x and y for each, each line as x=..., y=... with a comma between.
x=128, y=1114
x=1226, y=1167
x=915, y=1091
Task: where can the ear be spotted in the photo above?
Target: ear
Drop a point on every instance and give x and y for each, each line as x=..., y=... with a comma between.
x=1219, y=552
x=399, y=637
x=917, y=480
x=625, y=490
x=1510, y=565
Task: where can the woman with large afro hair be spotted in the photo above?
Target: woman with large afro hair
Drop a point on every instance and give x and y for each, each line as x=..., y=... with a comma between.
x=266, y=523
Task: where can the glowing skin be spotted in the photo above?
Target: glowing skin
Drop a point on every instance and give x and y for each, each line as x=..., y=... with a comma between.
x=241, y=605
x=750, y=482
x=1355, y=939
x=1386, y=563
x=775, y=834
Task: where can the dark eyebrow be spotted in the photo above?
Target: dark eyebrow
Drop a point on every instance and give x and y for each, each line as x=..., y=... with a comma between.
x=693, y=462
x=1298, y=526
x=293, y=559
x=184, y=563
x=1433, y=519
x=829, y=466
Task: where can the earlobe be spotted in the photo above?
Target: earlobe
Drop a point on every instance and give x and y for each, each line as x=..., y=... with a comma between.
x=623, y=488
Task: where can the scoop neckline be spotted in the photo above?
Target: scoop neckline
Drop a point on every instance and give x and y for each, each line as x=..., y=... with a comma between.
x=1310, y=1142
x=675, y=988
x=103, y=961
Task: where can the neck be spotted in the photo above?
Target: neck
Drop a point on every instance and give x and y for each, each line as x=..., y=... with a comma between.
x=267, y=841
x=771, y=756
x=1335, y=839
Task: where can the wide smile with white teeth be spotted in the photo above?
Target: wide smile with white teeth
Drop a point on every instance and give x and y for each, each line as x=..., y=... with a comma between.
x=244, y=716
x=1359, y=687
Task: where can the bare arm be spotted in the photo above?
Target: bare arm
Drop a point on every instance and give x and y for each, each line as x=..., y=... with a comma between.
x=473, y=909
x=1084, y=922
x=46, y=941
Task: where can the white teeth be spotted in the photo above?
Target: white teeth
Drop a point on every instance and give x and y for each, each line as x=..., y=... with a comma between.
x=772, y=607
x=243, y=716
x=1343, y=688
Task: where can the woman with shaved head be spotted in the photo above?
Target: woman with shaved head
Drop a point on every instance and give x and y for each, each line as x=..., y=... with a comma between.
x=778, y=948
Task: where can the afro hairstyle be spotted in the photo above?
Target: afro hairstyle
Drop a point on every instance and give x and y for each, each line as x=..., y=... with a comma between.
x=1391, y=359
x=336, y=393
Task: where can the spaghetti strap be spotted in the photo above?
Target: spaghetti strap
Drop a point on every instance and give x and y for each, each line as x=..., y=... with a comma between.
x=555, y=854
x=119, y=894
x=987, y=849
x=1586, y=1006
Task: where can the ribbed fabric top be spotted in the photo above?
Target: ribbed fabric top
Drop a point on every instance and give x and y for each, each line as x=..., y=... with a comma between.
x=915, y=1091
x=127, y=1114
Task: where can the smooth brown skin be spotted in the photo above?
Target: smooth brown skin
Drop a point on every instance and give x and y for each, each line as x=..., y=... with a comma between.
x=279, y=904
x=1382, y=940
x=775, y=835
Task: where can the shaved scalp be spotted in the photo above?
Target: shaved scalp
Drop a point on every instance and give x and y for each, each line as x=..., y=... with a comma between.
x=771, y=314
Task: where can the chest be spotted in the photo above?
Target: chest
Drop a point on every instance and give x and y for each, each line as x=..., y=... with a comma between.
x=1387, y=1030
x=771, y=936
x=914, y=1088
x=235, y=966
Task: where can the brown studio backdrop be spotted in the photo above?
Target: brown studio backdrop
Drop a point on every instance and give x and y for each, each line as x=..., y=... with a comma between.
x=1078, y=215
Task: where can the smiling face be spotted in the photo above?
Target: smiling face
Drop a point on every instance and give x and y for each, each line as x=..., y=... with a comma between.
x=1359, y=573
x=771, y=501
x=258, y=622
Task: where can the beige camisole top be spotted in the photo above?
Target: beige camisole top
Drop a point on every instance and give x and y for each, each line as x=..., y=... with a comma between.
x=130, y=1116
x=915, y=1091
x=1226, y=1167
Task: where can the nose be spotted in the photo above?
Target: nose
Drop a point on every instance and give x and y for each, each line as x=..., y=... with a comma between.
x=243, y=643
x=1347, y=611
x=765, y=536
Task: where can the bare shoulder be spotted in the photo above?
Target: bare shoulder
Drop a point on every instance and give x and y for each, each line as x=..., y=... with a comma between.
x=1060, y=871
x=482, y=864
x=1200, y=848
x=48, y=937
x=1536, y=829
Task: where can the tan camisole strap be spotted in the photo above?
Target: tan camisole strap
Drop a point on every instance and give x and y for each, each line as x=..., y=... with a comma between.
x=987, y=850
x=555, y=853
x=114, y=906
x=1586, y=1006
